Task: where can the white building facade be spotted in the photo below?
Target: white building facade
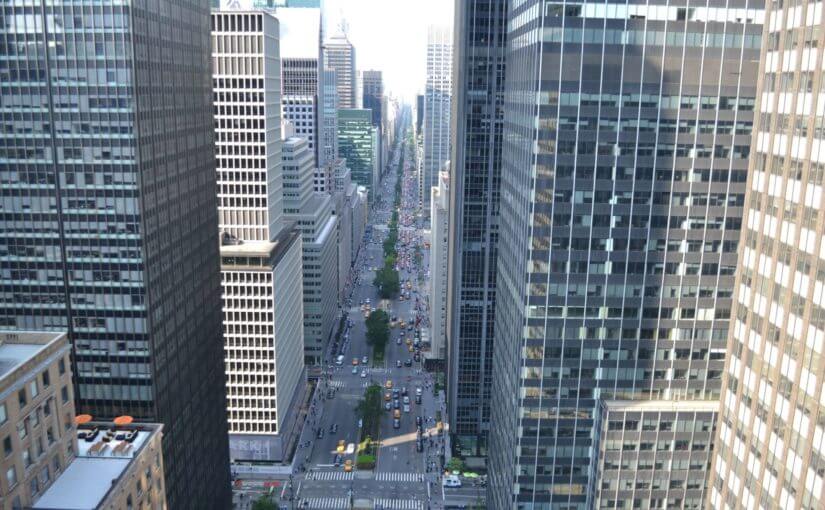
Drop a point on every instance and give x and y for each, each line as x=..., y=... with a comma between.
x=439, y=226
x=312, y=213
x=260, y=257
x=437, y=94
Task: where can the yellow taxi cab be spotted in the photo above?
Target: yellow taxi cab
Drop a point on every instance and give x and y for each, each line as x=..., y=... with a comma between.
x=439, y=427
x=410, y=348
x=396, y=414
x=408, y=341
x=388, y=384
x=342, y=445
x=348, y=466
x=402, y=324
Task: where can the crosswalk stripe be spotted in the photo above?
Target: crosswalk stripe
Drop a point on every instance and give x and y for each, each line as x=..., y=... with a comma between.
x=323, y=503
x=399, y=477
x=329, y=475
x=398, y=504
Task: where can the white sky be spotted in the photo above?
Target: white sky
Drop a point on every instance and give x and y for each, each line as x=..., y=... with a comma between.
x=391, y=36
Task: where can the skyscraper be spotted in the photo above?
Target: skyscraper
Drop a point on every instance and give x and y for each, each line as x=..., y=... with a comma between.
x=339, y=54
x=624, y=159
x=328, y=137
x=356, y=144
x=108, y=219
x=313, y=213
x=437, y=94
x=474, y=194
x=260, y=250
x=769, y=445
x=373, y=94
x=301, y=61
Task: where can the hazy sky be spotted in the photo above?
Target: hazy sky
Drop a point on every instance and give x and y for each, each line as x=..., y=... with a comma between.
x=391, y=36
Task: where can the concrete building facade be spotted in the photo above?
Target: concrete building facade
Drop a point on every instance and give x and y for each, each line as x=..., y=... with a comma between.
x=339, y=55
x=312, y=213
x=439, y=232
x=770, y=451
x=260, y=266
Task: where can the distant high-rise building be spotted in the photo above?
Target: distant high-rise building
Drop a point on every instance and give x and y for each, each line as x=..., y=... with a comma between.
x=439, y=236
x=260, y=256
x=301, y=61
x=770, y=451
x=373, y=93
x=108, y=217
x=436, y=109
x=328, y=137
x=475, y=167
x=625, y=150
x=339, y=54
x=419, y=113
x=356, y=144
x=374, y=100
x=313, y=213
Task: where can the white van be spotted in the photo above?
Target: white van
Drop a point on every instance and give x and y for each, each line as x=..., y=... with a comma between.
x=340, y=360
x=451, y=481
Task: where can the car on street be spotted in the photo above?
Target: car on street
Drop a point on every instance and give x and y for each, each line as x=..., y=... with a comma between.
x=363, y=374
x=408, y=362
x=387, y=405
x=398, y=341
x=354, y=370
x=333, y=428
x=365, y=360
x=388, y=384
x=398, y=363
x=406, y=408
x=451, y=481
x=419, y=445
x=320, y=434
x=418, y=399
x=406, y=399
x=396, y=404
x=348, y=466
x=418, y=390
x=342, y=445
x=355, y=361
x=419, y=420
x=337, y=461
x=396, y=423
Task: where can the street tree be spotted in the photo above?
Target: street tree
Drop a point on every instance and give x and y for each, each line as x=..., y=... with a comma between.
x=369, y=410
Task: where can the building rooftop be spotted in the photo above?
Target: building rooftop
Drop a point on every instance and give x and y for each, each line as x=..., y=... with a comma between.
x=99, y=464
x=19, y=347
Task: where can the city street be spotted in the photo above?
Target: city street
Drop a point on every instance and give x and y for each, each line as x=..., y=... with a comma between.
x=403, y=477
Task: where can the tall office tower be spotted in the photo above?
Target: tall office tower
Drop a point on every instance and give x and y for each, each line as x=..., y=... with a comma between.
x=373, y=94
x=436, y=109
x=373, y=99
x=769, y=445
x=260, y=259
x=328, y=136
x=339, y=54
x=97, y=239
x=419, y=113
x=300, y=43
x=624, y=158
x=356, y=144
x=474, y=195
x=312, y=212
x=343, y=192
x=439, y=236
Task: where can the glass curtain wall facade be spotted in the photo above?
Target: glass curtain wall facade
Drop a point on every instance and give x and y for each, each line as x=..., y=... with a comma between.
x=438, y=90
x=356, y=144
x=108, y=216
x=625, y=148
x=480, y=35
x=771, y=430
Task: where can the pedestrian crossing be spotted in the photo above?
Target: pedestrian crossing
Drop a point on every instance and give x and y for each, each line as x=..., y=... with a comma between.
x=323, y=503
x=398, y=504
x=329, y=475
x=399, y=477
x=336, y=383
